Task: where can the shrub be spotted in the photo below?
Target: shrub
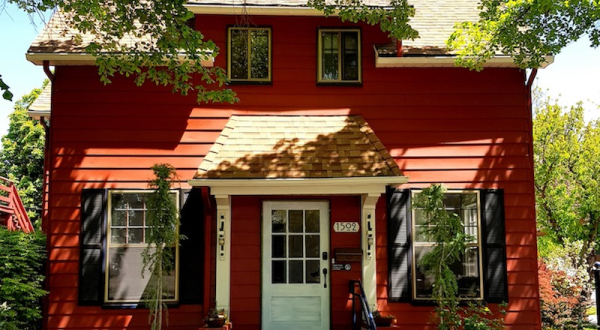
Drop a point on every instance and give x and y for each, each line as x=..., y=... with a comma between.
x=22, y=258
x=562, y=303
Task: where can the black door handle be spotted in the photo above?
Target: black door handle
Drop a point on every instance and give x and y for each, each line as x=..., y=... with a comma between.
x=325, y=277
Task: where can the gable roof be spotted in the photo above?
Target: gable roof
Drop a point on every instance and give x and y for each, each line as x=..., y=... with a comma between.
x=284, y=147
x=433, y=19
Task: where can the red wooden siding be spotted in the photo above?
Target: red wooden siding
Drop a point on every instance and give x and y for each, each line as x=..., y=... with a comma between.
x=467, y=129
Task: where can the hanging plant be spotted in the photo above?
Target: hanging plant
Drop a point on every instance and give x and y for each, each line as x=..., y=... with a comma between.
x=162, y=237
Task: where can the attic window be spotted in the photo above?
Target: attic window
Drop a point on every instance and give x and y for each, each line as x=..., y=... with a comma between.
x=249, y=54
x=339, y=56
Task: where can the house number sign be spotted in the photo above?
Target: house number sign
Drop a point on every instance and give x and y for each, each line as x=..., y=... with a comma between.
x=346, y=227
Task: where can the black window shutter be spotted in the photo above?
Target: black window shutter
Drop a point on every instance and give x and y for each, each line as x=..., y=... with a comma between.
x=494, y=246
x=399, y=244
x=92, y=240
x=191, y=248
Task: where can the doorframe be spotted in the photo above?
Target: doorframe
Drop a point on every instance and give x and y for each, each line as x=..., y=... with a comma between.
x=369, y=188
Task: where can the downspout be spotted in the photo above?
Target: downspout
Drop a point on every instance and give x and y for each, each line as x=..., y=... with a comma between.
x=46, y=195
x=532, y=166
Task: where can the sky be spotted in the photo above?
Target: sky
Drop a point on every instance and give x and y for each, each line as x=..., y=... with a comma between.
x=574, y=76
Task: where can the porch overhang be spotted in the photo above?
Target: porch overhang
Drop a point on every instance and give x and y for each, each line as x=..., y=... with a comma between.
x=296, y=186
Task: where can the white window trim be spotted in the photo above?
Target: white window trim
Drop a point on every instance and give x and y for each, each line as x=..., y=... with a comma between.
x=139, y=245
x=478, y=245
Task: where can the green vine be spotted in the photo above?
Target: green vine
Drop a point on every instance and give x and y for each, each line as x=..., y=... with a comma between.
x=162, y=237
x=446, y=230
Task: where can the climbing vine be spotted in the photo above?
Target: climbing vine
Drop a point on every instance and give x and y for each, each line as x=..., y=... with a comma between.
x=162, y=237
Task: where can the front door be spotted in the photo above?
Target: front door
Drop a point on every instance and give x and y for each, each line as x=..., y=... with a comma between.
x=295, y=258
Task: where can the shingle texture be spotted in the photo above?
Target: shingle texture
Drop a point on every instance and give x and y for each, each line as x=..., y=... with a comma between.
x=433, y=19
x=255, y=147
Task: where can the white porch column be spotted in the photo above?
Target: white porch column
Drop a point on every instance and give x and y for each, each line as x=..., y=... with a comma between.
x=369, y=242
x=223, y=251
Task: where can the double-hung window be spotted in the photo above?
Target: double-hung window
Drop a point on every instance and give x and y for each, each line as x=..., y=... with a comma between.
x=339, y=56
x=127, y=238
x=465, y=204
x=249, y=54
x=481, y=273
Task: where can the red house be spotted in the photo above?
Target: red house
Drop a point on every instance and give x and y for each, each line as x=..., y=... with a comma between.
x=300, y=188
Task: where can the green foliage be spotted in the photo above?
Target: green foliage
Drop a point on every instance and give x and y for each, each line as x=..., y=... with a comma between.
x=22, y=155
x=527, y=30
x=22, y=258
x=567, y=174
x=446, y=230
x=7, y=95
x=162, y=235
x=165, y=51
x=393, y=19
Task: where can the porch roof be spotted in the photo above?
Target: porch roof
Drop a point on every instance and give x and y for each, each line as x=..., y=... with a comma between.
x=297, y=147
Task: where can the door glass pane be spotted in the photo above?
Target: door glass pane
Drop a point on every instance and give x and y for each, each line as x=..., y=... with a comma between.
x=313, y=271
x=312, y=246
x=312, y=221
x=296, y=221
x=296, y=271
x=278, y=246
x=296, y=246
x=278, y=271
x=279, y=220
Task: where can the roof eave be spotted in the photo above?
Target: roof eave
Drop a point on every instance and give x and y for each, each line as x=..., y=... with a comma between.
x=446, y=62
x=78, y=59
x=255, y=10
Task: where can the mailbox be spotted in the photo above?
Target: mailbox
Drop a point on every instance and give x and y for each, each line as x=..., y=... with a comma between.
x=348, y=255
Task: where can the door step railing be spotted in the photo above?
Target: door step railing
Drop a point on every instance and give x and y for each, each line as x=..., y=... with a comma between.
x=366, y=320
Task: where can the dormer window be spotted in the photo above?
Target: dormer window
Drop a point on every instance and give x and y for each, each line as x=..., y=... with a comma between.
x=249, y=54
x=339, y=56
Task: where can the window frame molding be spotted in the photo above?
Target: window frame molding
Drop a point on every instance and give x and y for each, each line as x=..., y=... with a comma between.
x=105, y=300
x=250, y=80
x=340, y=81
x=479, y=245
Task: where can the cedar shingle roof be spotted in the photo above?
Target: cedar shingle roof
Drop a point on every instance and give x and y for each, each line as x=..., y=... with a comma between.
x=434, y=19
x=257, y=147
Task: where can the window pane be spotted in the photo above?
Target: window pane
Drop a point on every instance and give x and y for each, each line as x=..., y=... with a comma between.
x=118, y=235
x=296, y=271
x=279, y=220
x=312, y=246
x=296, y=221
x=312, y=221
x=423, y=283
x=278, y=246
x=313, y=271
x=136, y=235
x=135, y=201
x=119, y=218
x=125, y=282
x=239, y=54
x=278, y=271
x=350, y=59
x=136, y=218
x=330, y=56
x=259, y=54
x=296, y=246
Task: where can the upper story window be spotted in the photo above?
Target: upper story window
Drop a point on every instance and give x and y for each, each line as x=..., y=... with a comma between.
x=465, y=204
x=339, y=56
x=249, y=54
x=127, y=227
